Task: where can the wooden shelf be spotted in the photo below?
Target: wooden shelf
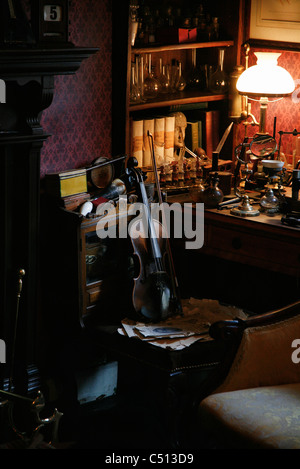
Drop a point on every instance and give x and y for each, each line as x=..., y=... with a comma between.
x=181, y=46
x=43, y=61
x=184, y=97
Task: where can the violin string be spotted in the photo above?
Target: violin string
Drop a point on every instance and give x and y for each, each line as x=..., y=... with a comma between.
x=151, y=230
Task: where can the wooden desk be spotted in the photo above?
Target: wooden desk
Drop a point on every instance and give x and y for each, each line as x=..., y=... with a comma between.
x=258, y=254
x=261, y=241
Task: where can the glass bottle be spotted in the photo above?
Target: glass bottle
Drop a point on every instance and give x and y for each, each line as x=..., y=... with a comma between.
x=180, y=174
x=162, y=176
x=196, y=192
x=218, y=81
x=269, y=202
x=213, y=195
x=173, y=75
x=175, y=175
x=215, y=29
x=195, y=77
x=163, y=79
x=151, y=84
x=193, y=172
x=135, y=95
x=168, y=175
x=181, y=82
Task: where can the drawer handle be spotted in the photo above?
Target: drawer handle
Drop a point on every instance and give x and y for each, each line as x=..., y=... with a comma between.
x=236, y=243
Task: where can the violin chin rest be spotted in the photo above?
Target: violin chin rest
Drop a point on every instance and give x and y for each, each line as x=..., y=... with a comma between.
x=153, y=297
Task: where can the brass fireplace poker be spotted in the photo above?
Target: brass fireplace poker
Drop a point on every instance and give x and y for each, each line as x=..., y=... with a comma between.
x=9, y=401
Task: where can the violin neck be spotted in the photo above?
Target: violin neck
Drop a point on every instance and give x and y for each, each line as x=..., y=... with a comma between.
x=151, y=229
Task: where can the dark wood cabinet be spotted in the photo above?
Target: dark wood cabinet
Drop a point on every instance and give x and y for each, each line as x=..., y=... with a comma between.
x=91, y=277
x=29, y=79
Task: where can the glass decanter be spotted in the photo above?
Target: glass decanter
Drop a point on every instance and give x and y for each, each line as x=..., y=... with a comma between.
x=218, y=81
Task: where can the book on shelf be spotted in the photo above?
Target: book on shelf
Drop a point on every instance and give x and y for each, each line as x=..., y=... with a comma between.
x=159, y=140
x=72, y=202
x=208, y=128
x=188, y=107
x=169, y=138
x=203, y=130
x=211, y=131
x=148, y=126
x=137, y=143
x=193, y=135
x=66, y=183
x=162, y=130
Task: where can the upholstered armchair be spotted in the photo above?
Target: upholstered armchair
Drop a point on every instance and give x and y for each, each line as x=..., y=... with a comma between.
x=257, y=402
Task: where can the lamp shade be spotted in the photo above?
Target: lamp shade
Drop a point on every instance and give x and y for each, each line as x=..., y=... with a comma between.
x=266, y=78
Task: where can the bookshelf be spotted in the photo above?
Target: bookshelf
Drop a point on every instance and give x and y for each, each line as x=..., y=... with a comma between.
x=124, y=111
x=184, y=97
x=182, y=46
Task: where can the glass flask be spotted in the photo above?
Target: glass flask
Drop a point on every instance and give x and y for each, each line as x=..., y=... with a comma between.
x=151, y=84
x=218, y=81
x=195, y=77
x=213, y=195
x=181, y=82
x=135, y=95
x=164, y=81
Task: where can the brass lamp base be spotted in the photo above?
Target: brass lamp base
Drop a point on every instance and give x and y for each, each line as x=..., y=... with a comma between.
x=245, y=209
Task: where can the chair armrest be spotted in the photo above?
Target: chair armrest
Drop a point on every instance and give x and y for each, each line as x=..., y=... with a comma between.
x=227, y=329
x=264, y=354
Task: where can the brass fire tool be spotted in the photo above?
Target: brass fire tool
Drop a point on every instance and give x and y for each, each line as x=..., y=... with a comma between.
x=27, y=439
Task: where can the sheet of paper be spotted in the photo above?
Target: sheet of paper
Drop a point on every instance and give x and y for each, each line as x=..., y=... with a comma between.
x=178, y=332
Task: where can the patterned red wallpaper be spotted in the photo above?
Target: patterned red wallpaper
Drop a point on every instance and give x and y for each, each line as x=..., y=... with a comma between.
x=79, y=118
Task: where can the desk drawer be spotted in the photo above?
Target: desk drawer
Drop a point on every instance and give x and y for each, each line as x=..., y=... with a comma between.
x=261, y=251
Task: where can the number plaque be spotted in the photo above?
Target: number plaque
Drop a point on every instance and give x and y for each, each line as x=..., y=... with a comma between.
x=52, y=13
x=51, y=21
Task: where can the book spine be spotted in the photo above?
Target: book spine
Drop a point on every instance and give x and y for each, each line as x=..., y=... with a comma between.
x=210, y=131
x=137, y=141
x=159, y=140
x=188, y=106
x=191, y=135
x=148, y=126
x=169, y=139
x=200, y=139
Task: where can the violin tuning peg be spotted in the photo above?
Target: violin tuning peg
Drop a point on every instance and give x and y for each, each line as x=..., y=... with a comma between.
x=132, y=162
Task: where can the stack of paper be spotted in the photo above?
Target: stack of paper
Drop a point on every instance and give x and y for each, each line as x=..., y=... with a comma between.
x=179, y=332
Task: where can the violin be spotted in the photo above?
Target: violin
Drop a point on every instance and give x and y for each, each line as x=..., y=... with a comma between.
x=155, y=294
